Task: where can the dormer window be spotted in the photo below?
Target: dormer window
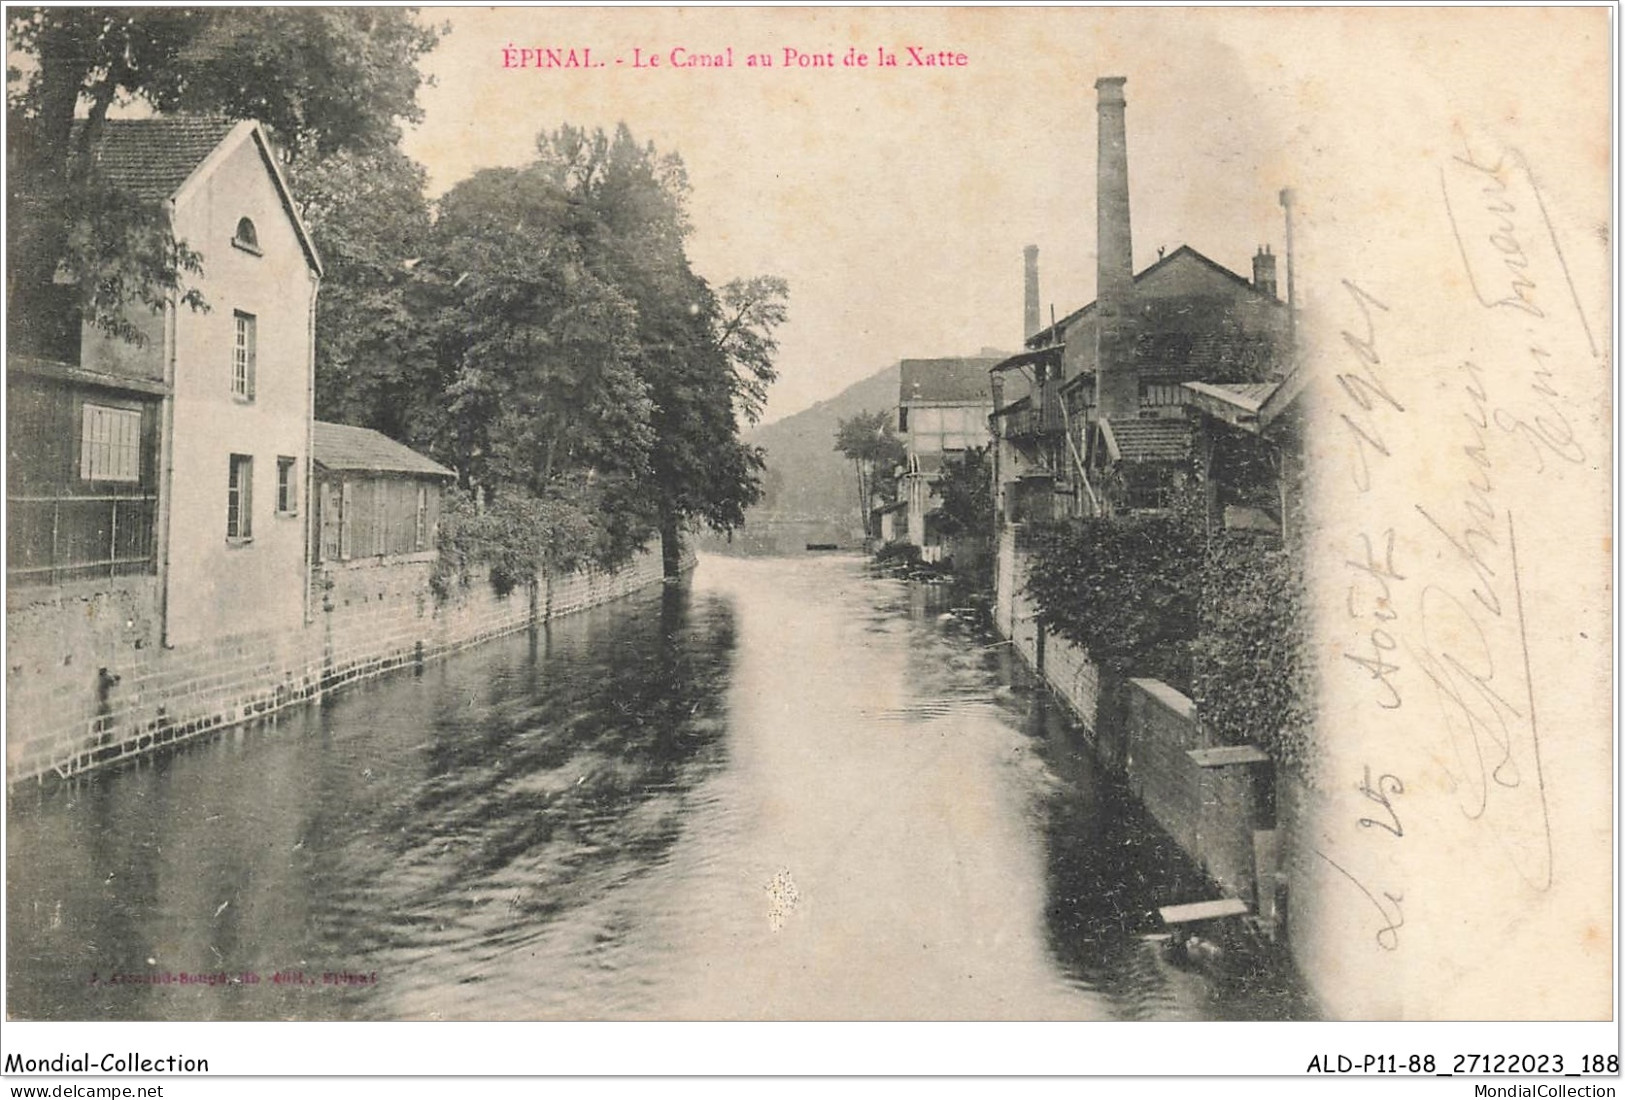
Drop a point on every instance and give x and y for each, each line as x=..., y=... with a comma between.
x=247, y=238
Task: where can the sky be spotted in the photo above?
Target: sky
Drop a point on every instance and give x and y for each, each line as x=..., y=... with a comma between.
x=895, y=201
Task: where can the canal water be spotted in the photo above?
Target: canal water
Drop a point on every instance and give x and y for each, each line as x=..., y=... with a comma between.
x=788, y=789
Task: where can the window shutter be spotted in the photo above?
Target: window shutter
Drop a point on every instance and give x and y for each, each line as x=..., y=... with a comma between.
x=87, y=441
x=345, y=519
x=327, y=536
x=248, y=498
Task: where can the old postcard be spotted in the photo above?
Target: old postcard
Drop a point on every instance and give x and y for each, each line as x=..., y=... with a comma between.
x=816, y=514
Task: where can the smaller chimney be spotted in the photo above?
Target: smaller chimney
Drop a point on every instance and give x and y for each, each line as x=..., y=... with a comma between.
x=1288, y=200
x=1264, y=271
x=1031, y=321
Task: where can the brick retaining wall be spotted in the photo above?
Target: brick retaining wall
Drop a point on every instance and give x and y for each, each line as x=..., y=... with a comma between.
x=88, y=684
x=1210, y=812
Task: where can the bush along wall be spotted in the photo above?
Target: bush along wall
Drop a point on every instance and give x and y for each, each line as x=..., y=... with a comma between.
x=1221, y=616
x=1125, y=588
x=1252, y=668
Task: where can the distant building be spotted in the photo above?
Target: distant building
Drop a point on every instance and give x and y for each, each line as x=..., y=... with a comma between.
x=886, y=519
x=942, y=411
x=166, y=479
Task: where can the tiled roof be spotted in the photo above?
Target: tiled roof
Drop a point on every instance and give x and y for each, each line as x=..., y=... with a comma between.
x=152, y=157
x=1219, y=356
x=962, y=381
x=1161, y=440
x=343, y=447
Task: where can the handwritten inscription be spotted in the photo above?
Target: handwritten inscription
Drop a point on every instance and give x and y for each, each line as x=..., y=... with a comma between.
x=1382, y=792
x=1487, y=231
x=1367, y=408
x=1434, y=629
x=1363, y=386
x=1496, y=215
x=1386, y=903
x=1371, y=599
x=1473, y=643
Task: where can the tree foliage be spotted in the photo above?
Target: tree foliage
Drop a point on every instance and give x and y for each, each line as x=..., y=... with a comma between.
x=537, y=351
x=751, y=310
x=867, y=439
x=322, y=79
x=705, y=359
x=1253, y=660
x=369, y=214
x=516, y=537
x=966, y=490
x=545, y=336
x=1124, y=587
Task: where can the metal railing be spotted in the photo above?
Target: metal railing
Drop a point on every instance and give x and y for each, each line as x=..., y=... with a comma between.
x=54, y=540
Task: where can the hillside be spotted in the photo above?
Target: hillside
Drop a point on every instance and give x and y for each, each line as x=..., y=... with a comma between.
x=806, y=476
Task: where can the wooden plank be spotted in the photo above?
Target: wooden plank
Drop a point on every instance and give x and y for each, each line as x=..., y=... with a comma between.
x=1202, y=910
x=1222, y=755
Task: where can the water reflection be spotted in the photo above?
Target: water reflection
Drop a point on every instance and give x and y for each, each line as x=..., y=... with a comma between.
x=790, y=790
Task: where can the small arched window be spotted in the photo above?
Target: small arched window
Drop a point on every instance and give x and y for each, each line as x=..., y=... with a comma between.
x=247, y=238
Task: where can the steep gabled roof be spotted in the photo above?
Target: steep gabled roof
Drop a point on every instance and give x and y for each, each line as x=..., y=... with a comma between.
x=158, y=158
x=152, y=157
x=1055, y=332
x=949, y=381
x=344, y=447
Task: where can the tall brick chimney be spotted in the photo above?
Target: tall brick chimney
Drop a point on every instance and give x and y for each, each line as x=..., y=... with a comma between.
x=1116, y=380
x=1031, y=321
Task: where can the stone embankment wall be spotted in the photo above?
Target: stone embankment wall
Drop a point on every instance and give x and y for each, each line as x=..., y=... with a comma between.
x=1065, y=667
x=88, y=682
x=1213, y=813
x=1146, y=729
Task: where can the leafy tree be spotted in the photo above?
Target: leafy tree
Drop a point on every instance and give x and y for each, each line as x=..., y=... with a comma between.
x=875, y=452
x=704, y=358
x=751, y=310
x=322, y=79
x=374, y=350
x=966, y=490
x=1124, y=587
x=538, y=352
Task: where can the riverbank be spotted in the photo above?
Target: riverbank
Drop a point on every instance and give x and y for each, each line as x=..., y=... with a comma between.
x=1228, y=809
x=87, y=688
